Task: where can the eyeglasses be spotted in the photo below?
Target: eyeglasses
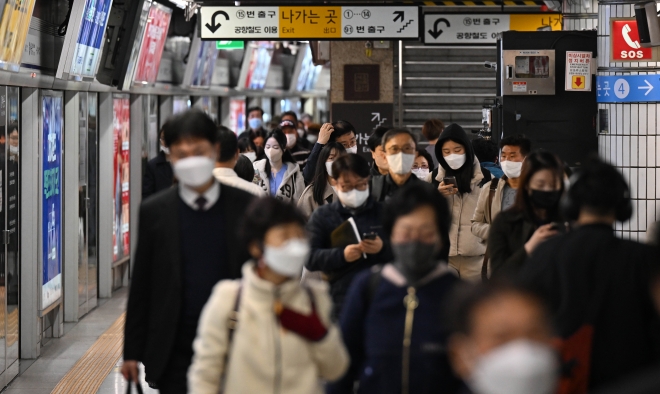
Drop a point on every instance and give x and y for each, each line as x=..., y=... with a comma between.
x=361, y=186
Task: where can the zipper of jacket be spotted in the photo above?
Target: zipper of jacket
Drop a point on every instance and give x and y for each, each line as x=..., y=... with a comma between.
x=277, y=382
x=458, y=227
x=411, y=303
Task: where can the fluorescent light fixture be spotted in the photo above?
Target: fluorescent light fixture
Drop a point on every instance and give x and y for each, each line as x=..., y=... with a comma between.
x=180, y=3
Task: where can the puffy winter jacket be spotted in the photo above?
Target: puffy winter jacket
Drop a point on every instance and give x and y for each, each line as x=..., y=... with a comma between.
x=292, y=184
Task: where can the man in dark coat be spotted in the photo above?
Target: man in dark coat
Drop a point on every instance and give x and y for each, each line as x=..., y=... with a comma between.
x=187, y=242
x=597, y=285
x=158, y=173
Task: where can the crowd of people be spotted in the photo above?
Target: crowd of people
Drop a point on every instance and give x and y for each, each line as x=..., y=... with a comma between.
x=281, y=261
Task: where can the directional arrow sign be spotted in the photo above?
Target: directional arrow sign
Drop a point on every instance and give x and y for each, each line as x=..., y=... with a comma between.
x=213, y=27
x=435, y=33
x=376, y=117
x=628, y=88
x=399, y=16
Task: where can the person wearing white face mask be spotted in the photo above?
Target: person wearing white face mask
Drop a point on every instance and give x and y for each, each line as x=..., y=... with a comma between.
x=460, y=168
x=340, y=131
x=158, y=173
x=284, y=340
x=293, y=143
x=186, y=243
x=323, y=188
x=400, y=151
x=340, y=256
x=279, y=174
x=499, y=195
x=502, y=341
x=423, y=164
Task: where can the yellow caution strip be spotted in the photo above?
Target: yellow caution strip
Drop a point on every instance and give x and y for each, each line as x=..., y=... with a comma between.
x=94, y=366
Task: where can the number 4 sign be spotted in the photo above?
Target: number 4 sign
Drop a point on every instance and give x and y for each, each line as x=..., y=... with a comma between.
x=625, y=42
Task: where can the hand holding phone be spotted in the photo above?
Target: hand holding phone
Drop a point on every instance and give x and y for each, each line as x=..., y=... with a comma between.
x=448, y=186
x=370, y=236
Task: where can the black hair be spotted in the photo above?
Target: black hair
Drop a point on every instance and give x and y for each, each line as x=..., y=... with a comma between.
x=244, y=142
x=463, y=175
x=321, y=175
x=432, y=129
x=193, y=123
x=255, y=108
x=290, y=113
x=341, y=127
x=228, y=144
x=485, y=150
x=467, y=298
x=351, y=163
x=244, y=168
x=376, y=138
x=535, y=162
x=599, y=187
x=397, y=131
x=425, y=154
x=265, y=213
x=520, y=141
x=411, y=197
x=280, y=137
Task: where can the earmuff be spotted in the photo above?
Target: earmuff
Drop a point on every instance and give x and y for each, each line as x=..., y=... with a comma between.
x=587, y=182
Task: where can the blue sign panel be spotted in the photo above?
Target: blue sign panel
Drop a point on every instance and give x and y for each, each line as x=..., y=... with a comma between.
x=628, y=88
x=51, y=219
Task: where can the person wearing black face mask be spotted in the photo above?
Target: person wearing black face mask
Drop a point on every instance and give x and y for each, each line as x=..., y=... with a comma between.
x=409, y=356
x=533, y=218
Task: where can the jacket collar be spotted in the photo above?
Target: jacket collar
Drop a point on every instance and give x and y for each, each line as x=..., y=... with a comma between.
x=393, y=275
x=265, y=290
x=477, y=175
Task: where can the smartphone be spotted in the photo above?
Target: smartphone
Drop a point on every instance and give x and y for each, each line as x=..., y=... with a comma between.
x=370, y=236
x=559, y=227
x=449, y=180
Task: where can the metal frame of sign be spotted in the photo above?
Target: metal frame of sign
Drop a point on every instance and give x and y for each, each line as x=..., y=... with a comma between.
x=476, y=44
x=420, y=18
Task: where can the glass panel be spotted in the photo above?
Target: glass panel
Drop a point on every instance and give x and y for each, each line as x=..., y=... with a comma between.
x=13, y=225
x=3, y=218
x=82, y=205
x=532, y=66
x=92, y=195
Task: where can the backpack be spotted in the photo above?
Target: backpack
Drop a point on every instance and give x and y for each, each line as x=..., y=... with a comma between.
x=491, y=195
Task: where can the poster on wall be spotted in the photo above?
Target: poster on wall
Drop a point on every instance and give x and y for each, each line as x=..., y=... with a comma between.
x=90, y=37
x=51, y=204
x=153, y=43
x=237, y=115
x=121, y=193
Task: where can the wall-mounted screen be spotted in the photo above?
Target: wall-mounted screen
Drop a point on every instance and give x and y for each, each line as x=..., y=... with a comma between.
x=256, y=63
x=153, y=42
x=201, y=63
x=14, y=26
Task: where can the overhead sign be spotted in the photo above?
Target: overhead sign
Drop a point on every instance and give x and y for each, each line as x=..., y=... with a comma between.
x=482, y=28
x=628, y=88
x=625, y=41
x=578, y=71
x=229, y=45
x=310, y=22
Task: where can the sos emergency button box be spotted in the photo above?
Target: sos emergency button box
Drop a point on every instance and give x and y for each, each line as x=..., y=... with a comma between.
x=626, y=46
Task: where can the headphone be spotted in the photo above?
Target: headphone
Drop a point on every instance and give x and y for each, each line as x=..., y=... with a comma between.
x=586, y=182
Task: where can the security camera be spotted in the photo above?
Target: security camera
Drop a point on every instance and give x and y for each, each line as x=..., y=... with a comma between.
x=491, y=65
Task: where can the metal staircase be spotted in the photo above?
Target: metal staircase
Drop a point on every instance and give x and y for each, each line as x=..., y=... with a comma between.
x=445, y=82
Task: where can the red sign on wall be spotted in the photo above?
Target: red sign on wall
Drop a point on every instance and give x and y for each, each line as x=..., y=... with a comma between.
x=625, y=42
x=153, y=42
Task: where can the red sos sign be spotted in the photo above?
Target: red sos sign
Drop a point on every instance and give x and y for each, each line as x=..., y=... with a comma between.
x=625, y=42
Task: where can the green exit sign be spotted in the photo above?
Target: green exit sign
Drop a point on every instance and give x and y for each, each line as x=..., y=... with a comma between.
x=230, y=44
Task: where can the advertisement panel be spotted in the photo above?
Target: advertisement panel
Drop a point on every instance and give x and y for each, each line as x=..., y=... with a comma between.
x=153, y=43
x=51, y=206
x=121, y=193
x=202, y=74
x=90, y=37
x=237, y=115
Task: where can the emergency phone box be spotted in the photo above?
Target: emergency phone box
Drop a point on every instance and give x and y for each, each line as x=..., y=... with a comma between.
x=526, y=72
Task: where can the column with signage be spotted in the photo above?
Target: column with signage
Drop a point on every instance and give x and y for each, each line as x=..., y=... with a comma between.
x=628, y=95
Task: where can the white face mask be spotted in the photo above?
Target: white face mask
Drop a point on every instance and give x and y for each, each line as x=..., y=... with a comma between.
x=518, y=367
x=328, y=167
x=455, y=161
x=274, y=155
x=288, y=259
x=352, y=149
x=165, y=149
x=421, y=173
x=301, y=133
x=511, y=169
x=401, y=163
x=250, y=155
x=13, y=149
x=353, y=199
x=290, y=141
x=312, y=138
x=194, y=171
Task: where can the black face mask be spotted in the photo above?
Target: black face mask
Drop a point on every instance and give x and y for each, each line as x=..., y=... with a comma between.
x=415, y=259
x=545, y=200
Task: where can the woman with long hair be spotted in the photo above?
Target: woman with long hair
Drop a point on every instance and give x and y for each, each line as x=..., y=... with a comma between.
x=322, y=189
x=279, y=174
x=533, y=218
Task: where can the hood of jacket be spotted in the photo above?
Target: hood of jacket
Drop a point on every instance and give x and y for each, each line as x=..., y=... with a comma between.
x=454, y=133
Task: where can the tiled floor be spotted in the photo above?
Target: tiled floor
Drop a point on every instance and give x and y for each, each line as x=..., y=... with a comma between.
x=59, y=355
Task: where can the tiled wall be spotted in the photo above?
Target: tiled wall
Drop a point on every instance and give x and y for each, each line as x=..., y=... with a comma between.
x=631, y=143
x=580, y=15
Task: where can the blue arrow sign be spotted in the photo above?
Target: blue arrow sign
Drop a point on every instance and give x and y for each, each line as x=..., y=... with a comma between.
x=628, y=88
